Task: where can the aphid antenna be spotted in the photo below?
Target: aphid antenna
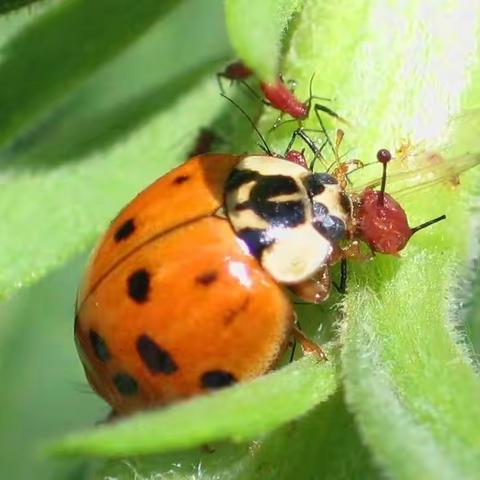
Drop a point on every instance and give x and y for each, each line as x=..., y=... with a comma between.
x=252, y=123
x=318, y=107
x=428, y=223
x=252, y=92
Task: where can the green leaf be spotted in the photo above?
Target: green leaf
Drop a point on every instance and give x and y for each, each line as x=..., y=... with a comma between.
x=10, y=5
x=256, y=31
x=62, y=48
x=238, y=413
x=322, y=444
x=108, y=143
x=44, y=389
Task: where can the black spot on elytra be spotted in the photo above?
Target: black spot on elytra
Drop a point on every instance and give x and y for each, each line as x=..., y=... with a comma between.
x=180, y=179
x=155, y=358
x=125, y=384
x=207, y=278
x=125, y=230
x=217, y=379
x=99, y=346
x=138, y=284
x=256, y=239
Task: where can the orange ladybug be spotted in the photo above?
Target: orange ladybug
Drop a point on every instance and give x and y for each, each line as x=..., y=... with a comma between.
x=184, y=296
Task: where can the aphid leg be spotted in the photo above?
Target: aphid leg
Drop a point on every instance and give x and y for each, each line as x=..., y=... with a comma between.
x=278, y=120
x=330, y=112
x=221, y=76
x=252, y=123
x=342, y=171
x=300, y=132
x=292, y=353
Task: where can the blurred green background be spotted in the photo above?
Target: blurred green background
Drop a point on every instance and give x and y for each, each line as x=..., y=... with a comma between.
x=96, y=100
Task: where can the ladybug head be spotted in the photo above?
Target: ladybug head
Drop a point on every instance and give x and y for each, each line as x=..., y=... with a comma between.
x=381, y=221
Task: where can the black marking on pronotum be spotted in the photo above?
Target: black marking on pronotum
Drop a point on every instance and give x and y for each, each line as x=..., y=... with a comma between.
x=282, y=213
x=99, y=346
x=256, y=239
x=238, y=178
x=138, y=284
x=180, y=179
x=329, y=226
x=125, y=384
x=217, y=379
x=287, y=214
x=207, y=278
x=268, y=186
x=315, y=183
x=155, y=358
x=239, y=207
x=125, y=230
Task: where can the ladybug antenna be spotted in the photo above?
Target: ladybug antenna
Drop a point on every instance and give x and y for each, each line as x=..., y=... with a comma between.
x=427, y=224
x=265, y=146
x=383, y=156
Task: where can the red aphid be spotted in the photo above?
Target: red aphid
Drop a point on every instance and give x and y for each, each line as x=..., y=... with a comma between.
x=281, y=98
x=381, y=221
x=236, y=71
x=297, y=157
x=382, y=225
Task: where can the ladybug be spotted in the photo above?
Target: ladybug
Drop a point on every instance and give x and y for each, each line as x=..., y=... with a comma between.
x=186, y=291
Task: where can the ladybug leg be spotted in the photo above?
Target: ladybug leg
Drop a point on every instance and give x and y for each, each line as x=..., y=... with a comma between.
x=351, y=252
x=315, y=289
x=308, y=346
x=342, y=286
